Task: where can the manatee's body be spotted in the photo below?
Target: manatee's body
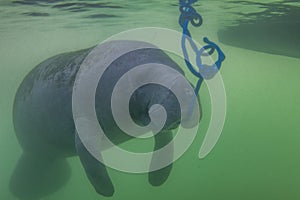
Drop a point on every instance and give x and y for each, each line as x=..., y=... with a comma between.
x=45, y=128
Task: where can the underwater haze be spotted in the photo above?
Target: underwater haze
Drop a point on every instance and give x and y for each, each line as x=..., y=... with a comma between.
x=257, y=155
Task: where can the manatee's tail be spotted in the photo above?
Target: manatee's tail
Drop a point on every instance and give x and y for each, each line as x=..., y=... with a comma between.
x=37, y=176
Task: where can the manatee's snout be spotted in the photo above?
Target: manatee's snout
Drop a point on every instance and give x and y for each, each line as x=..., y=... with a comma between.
x=166, y=114
x=155, y=105
x=160, y=107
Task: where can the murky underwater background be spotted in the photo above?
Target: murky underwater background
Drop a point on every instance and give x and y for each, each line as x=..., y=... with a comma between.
x=257, y=156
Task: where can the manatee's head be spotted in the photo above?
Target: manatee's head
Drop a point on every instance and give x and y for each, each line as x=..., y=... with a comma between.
x=147, y=77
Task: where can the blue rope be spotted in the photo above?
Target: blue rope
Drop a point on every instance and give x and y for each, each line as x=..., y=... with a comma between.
x=189, y=14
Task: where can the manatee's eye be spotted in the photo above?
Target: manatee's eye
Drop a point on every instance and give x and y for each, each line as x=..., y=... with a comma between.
x=188, y=92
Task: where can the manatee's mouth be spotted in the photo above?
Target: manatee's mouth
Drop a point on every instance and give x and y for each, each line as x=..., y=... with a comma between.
x=173, y=126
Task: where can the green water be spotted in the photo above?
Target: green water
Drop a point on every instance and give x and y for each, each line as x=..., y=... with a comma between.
x=257, y=156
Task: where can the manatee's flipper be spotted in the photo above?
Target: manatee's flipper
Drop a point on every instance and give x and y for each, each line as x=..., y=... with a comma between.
x=36, y=176
x=158, y=177
x=94, y=169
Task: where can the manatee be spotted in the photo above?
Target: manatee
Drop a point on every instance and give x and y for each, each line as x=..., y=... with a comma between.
x=45, y=129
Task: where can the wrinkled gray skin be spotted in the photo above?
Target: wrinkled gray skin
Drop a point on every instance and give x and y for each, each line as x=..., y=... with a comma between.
x=45, y=128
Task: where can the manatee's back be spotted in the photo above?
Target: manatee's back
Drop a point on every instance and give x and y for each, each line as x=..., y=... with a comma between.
x=42, y=110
